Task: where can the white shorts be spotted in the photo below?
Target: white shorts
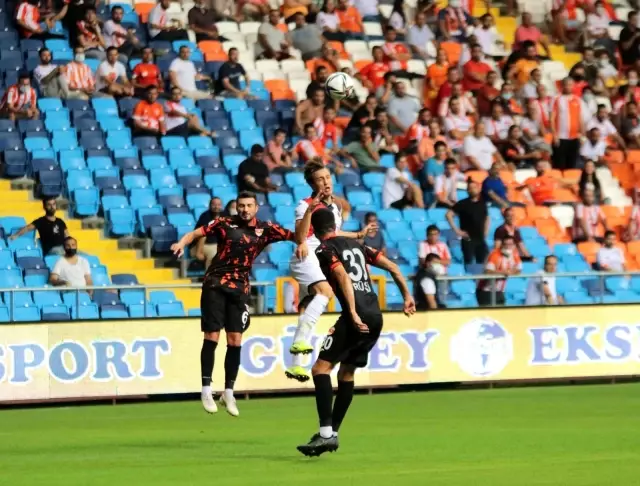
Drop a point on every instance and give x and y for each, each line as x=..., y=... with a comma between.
x=306, y=273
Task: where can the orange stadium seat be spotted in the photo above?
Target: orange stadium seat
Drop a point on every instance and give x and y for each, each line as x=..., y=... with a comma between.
x=210, y=46
x=477, y=175
x=143, y=10
x=633, y=247
x=507, y=177
x=564, y=195
x=572, y=174
x=283, y=94
x=538, y=212
x=633, y=156
x=276, y=85
x=589, y=249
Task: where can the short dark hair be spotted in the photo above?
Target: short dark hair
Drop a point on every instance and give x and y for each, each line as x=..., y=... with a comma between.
x=379, y=109
x=279, y=131
x=307, y=126
x=527, y=44
x=601, y=106
x=311, y=168
x=46, y=200
x=320, y=68
x=432, y=227
x=24, y=75
x=111, y=49
x=431, y=257
x=476, y=46
x=69, y=238
x=439, y=144
x=43, y=49
x=549, y=257
x=256, y=148
x=369, y=215
x=609, y=233
x=233, y=49
x=247, y=195
x=323, y=221
x=150, y=88
x=116, y=7
x=450, y=161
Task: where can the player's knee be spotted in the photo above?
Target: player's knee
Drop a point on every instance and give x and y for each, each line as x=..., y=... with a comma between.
x=323, y=288
x=346, y=372
x=321, y=368
x=212, y=336
x=234, y=339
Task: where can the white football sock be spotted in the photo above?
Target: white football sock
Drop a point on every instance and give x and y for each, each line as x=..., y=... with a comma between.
x=326, y=432
x=228, y=393
x=307, y=322
x=206, y=390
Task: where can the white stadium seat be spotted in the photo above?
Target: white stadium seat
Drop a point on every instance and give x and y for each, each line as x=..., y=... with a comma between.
x=249, y=27
x=523, y=174
x=416, y=66
x=268, y=75
x=265, y=65
x=292, y=65
x=301, y=75
x=356, y=46
x=563, y=215
x=372, y=28
x=224, y=27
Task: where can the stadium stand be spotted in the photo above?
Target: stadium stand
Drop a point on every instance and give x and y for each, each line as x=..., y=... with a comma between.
x=157, y=187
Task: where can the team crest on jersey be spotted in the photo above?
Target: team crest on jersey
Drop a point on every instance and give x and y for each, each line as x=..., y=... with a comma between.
x=259, y=232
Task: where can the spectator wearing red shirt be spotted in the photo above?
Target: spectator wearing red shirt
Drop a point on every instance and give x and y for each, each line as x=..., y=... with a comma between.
x=372, y=75
x=148, y=116
x=146, y=74
x=329, y=131
x=487, y=93
x=529, y=32
x=28, y=21
x=475, y=71
x=445, y=91
x=396, y=53
x=20, y=101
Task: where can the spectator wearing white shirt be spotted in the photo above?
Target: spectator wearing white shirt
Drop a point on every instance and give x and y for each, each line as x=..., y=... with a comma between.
x=457, y=125
x=479, y=151
x=399, y=191
x=466, y=104
x=419, y=35
x=427, y=293
x=498, y=124
x=433, y=245
x=71, y=270
x=397, y=18
x=50, y=77
x=597, y=31
x=403, y=109
x=486, y=35
x=179, y=121
x=446, y=185
x=112, y=76
x=593, y=148
x=161, y=27
x=542, y=290
x=533, y=130
x=329, y=22
x=530, y=89
x=122, y=38
x=608, y=132
x=367, y=8
x=610, y=258
x=183, y=74
x=589, y=220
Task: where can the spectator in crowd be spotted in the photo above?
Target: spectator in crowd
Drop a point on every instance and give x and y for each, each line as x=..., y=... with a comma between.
x=486, y=35
x=90, y=36
x=629, y=41
x=498, y=124
x=467, y=105
x=446, y=89
x=272, y=42
x=630, y=125
x=543, y=104
x=162, y=27
x=516, y=153
x=396, y=54
x=474, y=224
x=453, y=21
x=122, y=38
x=508, y=100
x=426, y=291
x=434, y=166
x=564, y=20
x=310, y=110
x=608, y=132
x=530, y=89
x=417, y=131
x=610, y=258
x=50, y=77
x=51, y=229
x=79, y=77
x=632, y=233
x=372, y=75
x=253, y=174
x=505, y=262
x=112, y=76
x=475, y=70
x=230, y=209
x=276, y=156
x=593, y=148
x=28, y=21
x=426, y=145
x=206, y=248
x=311, y=147
x=479, y=151
x=494, y=190
x=329, y=22
x=437, y=74
x=597, y=28
x=420, y=36
x=381, y=132
x=542, y=291
x=148, y=116
x=20, y=101
x=202, y=21
x=328, y=58
x=307, y=38
x=374, y=237
x=403, y=109
x=568, y=121
x=589, y=223
x=457, y=125
x=71, y=270
x=350, y=18
x=183, y=74
x=328, y=131
x=146, y=74
x=399, y=191
x=533, y=130
x=589, y=181
x=542, y=187
x=529, y=32
x=229, y=78
x=433, y=245
x=397, y=19
x=179, y=122
x=446, y=185
x=590, y=66
x=363, y=153
x=292, y=8
x=509, y=228
x=367, y=8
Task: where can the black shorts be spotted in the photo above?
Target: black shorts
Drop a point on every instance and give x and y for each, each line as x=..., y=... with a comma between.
x=223, y=310
x=345, y=344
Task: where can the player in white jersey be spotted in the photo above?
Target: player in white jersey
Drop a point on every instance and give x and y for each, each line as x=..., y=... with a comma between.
x=314, y=290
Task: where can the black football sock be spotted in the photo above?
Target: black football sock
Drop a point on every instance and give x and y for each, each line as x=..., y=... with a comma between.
x=207, y=355
x=324, y=397
x=341, y=405
x=231, y=366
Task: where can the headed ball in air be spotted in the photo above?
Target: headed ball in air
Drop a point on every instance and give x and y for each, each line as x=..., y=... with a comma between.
x=339, y=86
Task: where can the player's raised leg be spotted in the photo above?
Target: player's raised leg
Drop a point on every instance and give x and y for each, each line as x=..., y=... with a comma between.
x=212, y=308
x=207, y=356
x=325, y=440
x=231, y=368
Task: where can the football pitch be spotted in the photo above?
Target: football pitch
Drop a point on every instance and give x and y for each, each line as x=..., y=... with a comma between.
x=560, y=436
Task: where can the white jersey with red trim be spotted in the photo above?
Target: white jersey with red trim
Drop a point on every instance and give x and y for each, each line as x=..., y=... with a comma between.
x=301, y=209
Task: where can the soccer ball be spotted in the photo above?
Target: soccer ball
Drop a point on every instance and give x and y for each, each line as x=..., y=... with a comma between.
x=339, y=86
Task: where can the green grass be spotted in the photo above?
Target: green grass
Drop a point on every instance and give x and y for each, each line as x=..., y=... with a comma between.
x=560, y=436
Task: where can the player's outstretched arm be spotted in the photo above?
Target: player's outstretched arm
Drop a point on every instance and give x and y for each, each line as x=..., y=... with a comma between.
x=386, y=264
x=186, y=240
x=344, y=281
x=360, y=234
x=303, y=225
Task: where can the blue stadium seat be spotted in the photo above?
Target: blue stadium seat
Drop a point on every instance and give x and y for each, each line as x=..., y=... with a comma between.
x=162, y=297
x=174, y=309
x=137, y=311
x=124, y=279
x=163, y=237
x=122, y=221
x=88, y=311
x=26, y=314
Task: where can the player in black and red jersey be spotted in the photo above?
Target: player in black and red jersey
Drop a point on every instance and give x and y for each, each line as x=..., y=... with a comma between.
x=225, y=290
x=344, y=262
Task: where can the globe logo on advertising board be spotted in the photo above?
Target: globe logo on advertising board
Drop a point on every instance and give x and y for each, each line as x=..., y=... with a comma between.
x=482, y=347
